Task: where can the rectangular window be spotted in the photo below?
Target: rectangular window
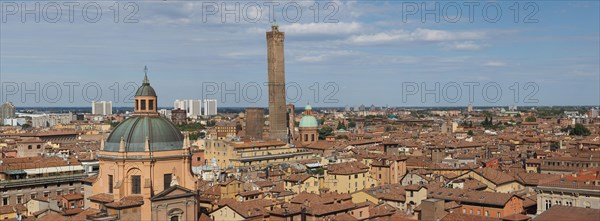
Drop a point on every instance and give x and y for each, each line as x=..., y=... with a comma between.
x=151, y=105
x=110, y=184
x=19, y=199
x=143, y=105
x=136, y=187
x=167, y=180
x=498, y=214
x=29, y=147
x=5, y=201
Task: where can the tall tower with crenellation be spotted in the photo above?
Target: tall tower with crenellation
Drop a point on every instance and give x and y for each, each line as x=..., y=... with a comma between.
x=278, y=128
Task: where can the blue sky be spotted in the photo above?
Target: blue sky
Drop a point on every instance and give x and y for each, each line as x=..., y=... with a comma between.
x=368, y=52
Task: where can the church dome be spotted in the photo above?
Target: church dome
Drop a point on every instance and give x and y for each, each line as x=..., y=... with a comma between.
x=145, y=126
x=308, y=121
x=161, y=133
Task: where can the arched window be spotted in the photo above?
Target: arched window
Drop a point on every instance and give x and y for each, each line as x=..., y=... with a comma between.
x=175, y=215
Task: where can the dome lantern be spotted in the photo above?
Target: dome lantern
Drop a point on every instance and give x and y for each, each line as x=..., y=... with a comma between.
x=145, y=98
x=146, y=130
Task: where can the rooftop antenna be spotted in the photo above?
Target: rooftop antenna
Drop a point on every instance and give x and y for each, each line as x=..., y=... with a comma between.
x=274, y=25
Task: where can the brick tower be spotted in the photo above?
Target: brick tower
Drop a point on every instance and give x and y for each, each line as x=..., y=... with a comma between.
x=277, y=105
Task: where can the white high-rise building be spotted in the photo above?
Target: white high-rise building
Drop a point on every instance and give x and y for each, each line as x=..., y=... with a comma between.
x=194, y=108
x=210, y=107
x=49, y=120
x=180, y=104
x=165, y=113
x=102, y=107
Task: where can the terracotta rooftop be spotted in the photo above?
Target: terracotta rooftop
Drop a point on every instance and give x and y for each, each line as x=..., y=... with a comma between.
x=516, y=217
x=347, y=168
x=128, y=201
x=102, y=197
x=75, y=196
x=471, y=197
x=495, y=176
x=90, y=179
x=12, y=209
x=35, y=162
x=297, y=177
x=568, y=213
x=467, y=217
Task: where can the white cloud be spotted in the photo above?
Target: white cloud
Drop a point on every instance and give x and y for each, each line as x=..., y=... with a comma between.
x=311, y=57
x=321, y=28
x=423, y=35
x=463, y=46
x=494, y=64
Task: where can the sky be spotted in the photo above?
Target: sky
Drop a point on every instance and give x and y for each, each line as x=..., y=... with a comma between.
x=337, y=53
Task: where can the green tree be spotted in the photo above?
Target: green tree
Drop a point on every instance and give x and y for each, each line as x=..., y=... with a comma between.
x=25, y=126
x=530, y=119
x=324, y=132
x=211, y=123
x=580, y=130
x=470, y=133
x=341, y=126
x=341, y=137
x=352, y=124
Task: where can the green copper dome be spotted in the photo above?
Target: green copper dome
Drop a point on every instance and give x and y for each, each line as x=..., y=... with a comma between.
x=308, y=121
x=161, y=134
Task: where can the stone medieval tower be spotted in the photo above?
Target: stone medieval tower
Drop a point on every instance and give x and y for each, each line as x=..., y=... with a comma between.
x=277, y=105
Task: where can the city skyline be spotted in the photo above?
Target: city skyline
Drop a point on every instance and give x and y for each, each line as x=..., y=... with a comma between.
x=368, y=45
